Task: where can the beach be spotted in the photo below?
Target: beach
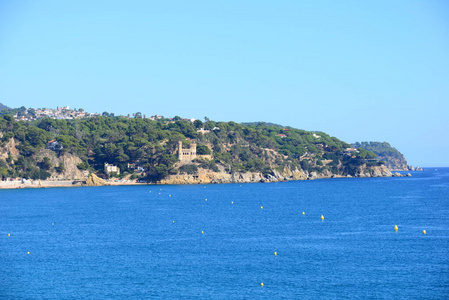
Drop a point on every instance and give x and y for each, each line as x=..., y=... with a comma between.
x=18, y=184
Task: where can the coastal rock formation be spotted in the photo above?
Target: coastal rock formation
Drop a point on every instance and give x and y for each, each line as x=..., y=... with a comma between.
x=93, y=180
x=206, y=176
x=68, y=161
x=376, y=171
x=412, y=168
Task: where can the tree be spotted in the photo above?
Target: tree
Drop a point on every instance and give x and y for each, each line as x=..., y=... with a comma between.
x=198, y=124
x=45, y=163
x=203, y=150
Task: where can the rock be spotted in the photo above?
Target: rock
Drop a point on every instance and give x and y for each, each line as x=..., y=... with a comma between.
x=93, y=180
x=299, y=175
x=207, y=176
x=9, y=149
x=409, y=175
x=69, y=161
x=418, y=169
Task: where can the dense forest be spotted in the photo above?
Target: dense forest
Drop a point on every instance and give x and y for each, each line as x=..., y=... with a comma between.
x=152, y=145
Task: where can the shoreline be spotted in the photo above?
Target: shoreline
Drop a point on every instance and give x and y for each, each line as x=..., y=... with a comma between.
x=33, y=184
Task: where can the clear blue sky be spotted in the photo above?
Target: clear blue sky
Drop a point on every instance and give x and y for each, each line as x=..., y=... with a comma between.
x=357, y=70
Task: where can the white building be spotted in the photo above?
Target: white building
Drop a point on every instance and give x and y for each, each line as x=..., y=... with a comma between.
x=108, y=168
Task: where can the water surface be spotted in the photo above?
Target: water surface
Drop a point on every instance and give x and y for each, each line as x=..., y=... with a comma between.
x=122, y=243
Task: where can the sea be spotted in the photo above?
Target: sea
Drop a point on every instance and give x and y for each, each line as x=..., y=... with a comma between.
x=316, y=239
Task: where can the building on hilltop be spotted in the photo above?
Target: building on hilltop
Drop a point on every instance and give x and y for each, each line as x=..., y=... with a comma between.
x=202, y=131
x=108, y=168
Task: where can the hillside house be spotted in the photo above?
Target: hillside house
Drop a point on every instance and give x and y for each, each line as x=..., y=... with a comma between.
x=108, y=168
x=54, y=145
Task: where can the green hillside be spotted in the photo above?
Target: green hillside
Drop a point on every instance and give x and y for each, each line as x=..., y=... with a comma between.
x=152, y=146
x=394, y=159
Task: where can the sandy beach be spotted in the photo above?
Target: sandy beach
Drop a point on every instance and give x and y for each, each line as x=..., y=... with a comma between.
x=17, y=184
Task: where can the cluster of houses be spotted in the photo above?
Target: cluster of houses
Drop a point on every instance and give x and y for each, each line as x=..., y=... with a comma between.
x=65, y=113
x=203, y=131
x=62, y=113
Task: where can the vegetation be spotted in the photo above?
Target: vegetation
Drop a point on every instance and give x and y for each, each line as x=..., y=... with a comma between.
x=151, y=145
x=2, y=107
x=386, y=153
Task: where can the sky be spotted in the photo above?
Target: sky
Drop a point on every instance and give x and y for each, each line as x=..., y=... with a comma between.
x=357, y=70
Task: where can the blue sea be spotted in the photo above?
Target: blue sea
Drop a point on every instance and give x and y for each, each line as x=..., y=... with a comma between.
x=168, y=242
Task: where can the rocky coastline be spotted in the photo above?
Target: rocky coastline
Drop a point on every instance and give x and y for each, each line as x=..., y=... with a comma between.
x=207, y=177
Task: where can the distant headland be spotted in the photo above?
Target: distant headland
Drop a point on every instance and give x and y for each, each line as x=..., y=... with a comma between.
x=40, y=146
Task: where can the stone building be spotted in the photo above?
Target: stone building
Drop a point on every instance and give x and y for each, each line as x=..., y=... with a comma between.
x=187, y=154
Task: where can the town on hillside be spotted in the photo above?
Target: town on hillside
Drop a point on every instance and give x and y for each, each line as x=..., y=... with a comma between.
x=66, y=113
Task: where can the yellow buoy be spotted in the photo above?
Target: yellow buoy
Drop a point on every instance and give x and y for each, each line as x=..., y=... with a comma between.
x=303, y=213
x=205, y=199
x=261, y=284
x=150, y=191
x=275, y=253
x=424, y=232
x=261, y=207
x=28, y=252
x=202, y=232
x=9, y=234
x=169, y=195
x=232, y=202
x=396, y=227
x=322, y=217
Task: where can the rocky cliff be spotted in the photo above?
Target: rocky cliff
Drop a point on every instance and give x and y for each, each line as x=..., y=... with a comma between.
x=66, y=163
x=69, y=163
x=9, y=149
x=206, y=176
